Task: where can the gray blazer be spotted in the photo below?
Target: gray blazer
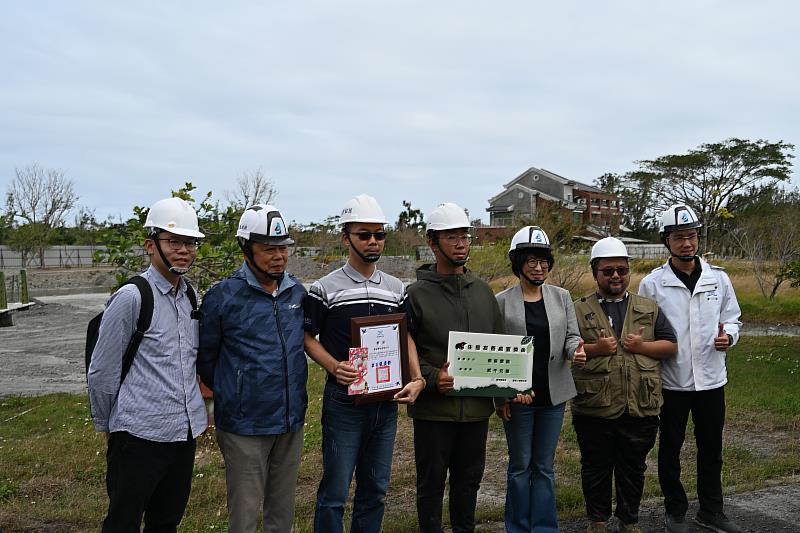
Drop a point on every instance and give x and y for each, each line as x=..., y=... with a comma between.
x=564, y=333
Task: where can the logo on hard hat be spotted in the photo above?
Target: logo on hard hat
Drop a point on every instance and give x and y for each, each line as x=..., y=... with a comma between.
x=685, y=217
x=539, y=238
x=277, y=227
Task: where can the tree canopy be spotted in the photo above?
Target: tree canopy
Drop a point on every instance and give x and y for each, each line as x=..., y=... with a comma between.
x=706, y=178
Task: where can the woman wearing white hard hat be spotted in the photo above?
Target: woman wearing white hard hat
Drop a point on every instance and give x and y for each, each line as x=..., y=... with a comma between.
x=533, y=421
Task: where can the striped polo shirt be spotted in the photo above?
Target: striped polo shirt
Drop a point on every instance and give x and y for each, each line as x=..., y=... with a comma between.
x=344, y=294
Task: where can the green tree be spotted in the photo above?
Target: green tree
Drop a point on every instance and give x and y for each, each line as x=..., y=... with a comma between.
x=217, y=256
x=408, y=233
x=636, y=191
x=6, y=226
x=410, y=218
x=706, y=178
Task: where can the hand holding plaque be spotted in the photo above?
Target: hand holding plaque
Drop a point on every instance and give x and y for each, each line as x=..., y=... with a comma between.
x=379, y=357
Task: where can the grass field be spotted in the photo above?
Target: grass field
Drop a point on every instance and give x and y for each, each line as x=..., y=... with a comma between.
x=52, y=462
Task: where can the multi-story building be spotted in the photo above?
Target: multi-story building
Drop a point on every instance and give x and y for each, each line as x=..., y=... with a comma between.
x=536, y=189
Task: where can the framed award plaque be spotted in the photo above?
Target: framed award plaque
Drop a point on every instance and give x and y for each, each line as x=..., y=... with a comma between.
x=380, y=356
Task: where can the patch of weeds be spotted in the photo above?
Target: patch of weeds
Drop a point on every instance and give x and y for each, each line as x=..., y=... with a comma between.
x=12, y=402
x=8, y=489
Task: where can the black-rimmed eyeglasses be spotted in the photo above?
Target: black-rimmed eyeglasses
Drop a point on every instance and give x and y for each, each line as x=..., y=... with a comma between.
x=177, y=244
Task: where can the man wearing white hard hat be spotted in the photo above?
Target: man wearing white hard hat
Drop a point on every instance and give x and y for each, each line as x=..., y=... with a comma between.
x=153, y=411
x=615, y=413
x=700, y=302
x=449, y=432
x=251, y=355
x=355, y=437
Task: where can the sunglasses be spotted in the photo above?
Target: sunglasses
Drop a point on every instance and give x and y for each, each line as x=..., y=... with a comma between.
x=608, y=272
x=367, y=235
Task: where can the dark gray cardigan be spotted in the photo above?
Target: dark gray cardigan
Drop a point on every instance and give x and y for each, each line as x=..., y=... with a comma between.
x=564, y=333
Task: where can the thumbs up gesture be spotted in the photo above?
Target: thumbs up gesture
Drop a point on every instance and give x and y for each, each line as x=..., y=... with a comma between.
x=579, y=358
x=633, y=341
x=606, y=345
x=444, y=383
x=722, y=342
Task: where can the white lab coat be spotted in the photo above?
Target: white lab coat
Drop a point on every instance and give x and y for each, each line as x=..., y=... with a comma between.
x=695, y=318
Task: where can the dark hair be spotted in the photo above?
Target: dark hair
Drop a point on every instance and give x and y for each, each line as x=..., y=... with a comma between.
x=519, y=257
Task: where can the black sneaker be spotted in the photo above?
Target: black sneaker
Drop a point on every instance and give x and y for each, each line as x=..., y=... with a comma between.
x=716, y=522
x=675, y=524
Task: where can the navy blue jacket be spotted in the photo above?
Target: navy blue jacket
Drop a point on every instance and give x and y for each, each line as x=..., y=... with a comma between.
x=251, y=355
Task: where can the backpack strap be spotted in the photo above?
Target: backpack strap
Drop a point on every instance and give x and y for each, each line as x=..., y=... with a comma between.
x=142, y=324
x=193, y=300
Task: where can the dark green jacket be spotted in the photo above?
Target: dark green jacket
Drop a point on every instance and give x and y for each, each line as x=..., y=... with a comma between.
x=438, y=304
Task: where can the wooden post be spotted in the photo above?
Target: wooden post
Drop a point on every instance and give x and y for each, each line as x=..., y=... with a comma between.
x=23, y=286
x=3, y=297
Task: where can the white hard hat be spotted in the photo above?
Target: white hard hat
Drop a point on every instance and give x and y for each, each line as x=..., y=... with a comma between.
x=174, y=215
x=362, y=208
x=609, y=247
x=264, y=223
x=678, y=216
x=447, y=216
x=529, y=237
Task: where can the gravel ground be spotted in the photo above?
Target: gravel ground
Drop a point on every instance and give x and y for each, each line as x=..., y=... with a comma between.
x=43, y=351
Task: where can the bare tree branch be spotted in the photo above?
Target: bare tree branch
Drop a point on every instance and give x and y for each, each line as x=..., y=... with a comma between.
x=252, y=187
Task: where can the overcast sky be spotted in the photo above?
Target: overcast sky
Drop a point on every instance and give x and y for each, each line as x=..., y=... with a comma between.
x=423, y=101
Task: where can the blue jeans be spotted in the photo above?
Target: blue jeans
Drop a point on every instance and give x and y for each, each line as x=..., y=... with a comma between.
x=532, y=436
x=356, y=438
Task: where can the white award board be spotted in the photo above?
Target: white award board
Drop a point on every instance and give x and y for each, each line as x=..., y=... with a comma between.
x=486, y=364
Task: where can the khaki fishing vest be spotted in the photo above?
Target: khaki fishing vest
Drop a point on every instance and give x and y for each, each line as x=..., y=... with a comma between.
x=609, y=386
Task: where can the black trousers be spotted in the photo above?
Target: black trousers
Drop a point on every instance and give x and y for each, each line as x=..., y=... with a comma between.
x=146, y=478
x=708, y=414
x=614, y=447
x=457, y=447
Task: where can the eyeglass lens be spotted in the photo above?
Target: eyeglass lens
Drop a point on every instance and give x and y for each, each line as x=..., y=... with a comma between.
x=541, y=262
x=177, y=244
